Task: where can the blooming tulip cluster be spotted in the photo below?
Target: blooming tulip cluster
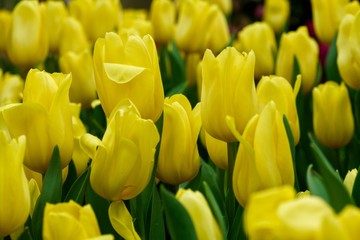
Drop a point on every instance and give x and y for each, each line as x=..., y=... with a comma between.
x=187, y=120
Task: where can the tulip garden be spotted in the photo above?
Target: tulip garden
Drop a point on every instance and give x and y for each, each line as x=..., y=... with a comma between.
x=189, y=119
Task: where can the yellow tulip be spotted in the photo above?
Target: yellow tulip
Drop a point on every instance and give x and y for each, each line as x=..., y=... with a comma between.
x=350, y=179
x=224, y=5
x=55, y=13
x=179, y=159
x=162, y=16
x=14, y=188
x=80, y=65
x=128, y=68
x=217, y=151
x=44, y=118
x=192, y=61
x=350, y=219
x=298, y=44
x=352, y=7
x=333, y=119
x=69, y=220
x=200, y=213
x=327, y=16
x=5, y=22
x=135, y=22
x=276, y=13
x=348, y=48
x=260, y=38
x=123, y=161
x=279, y=90
x=11, y=87
x=228, y=88
x=264, y=157
x=27, y=42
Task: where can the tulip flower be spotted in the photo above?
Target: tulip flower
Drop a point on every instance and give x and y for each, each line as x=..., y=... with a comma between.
x=348, y=49
x=228, y=88
x=162, y=16
x=128, y=68
x=264, y=157
x=5, y=22
x=200, y=213
x=350, y=179
x=352, y=7
x=298, y=44
x=123, y=161
x=224, y=5
x=279, y=90
x=55, y=13
x=11, y=87
x=260, y=38
x=96, y=17
x=70, y=220
x=14, y=188
x=217, y=151
x=44, y=118
x=276, y=14
x=179, y=159
x=135, y=22
x=327, y=16
x=333, y=119
x=27, y=41
x=350, y=219
x=80, y=65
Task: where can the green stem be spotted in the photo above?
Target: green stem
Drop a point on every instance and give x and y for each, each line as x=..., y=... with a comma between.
x=230, y=197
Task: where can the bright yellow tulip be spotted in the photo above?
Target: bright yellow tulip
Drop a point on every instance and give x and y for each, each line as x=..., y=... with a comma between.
x=11, y=87
x=217, y=151
x=162, y=16
x=5, y=22
x=276, y=13
x=350, y=179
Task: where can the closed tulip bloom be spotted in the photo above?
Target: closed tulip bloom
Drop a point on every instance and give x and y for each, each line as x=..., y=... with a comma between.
x=260, y=38
x=162, y=16
x=135, y=22
x=228, y=88
x=124, y=159
x=55, y=13
x=264, y=158
x=276, y=13
x=327, y=16
x=218, y=33
x=80, y=65
x=298, y=44
x=179, y=159
x=350, y=179
x=44, y=118
x=128, y=68
x=279, y=90
x=27, y=42
x=69, y=220
x=217, y=151
x=11, y=88
x=350, y=219
x=14, y=188
x=333, y=119
x=348, y=49
x=200, y=213
x=224, y=5
x=5, y=22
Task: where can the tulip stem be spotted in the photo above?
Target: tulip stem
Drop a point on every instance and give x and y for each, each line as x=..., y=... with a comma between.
x=230, y=197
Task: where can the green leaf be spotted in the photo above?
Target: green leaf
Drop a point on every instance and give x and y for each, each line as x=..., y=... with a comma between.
x=356, y=189
x=338, y=195
x=78, y=189
x=220, y=217
x=70, y=179
x=331, y=67
x=316, y=184
x=179, y=88
x=51, y=192
x=25, y=235
x=236, y=231
x=157, y=225
x=178, y=221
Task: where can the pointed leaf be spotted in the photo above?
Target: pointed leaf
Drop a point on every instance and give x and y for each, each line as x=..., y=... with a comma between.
x=316, y=184
x=78, y=189
x=236, y=231
x=157, y=225
x=70, y=179
x=331, y=67
x=356, y=189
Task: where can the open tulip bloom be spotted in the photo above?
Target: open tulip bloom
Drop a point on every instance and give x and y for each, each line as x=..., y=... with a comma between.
x=191, y=119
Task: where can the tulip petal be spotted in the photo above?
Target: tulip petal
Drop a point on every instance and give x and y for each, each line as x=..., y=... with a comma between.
x=121, y=73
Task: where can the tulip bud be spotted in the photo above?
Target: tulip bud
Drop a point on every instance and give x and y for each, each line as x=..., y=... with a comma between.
x=348, y=49
x=123, y=160
x=333, y=119
x=44, y=118
x=69, y=220
x=350, y=179
x=179, y=159
x=260, y=38
x=162, y=15
x=128, y=68
x=228, y=88
x=276, y=13
x=27, y=42
x=264, y=157
x=200, y=213
x=80, y=65
x=5, y=22
x=279, y=90
x=327, y=16
x=11, y=87
x=135, y=22
x=298, y=44
x=14, y=188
